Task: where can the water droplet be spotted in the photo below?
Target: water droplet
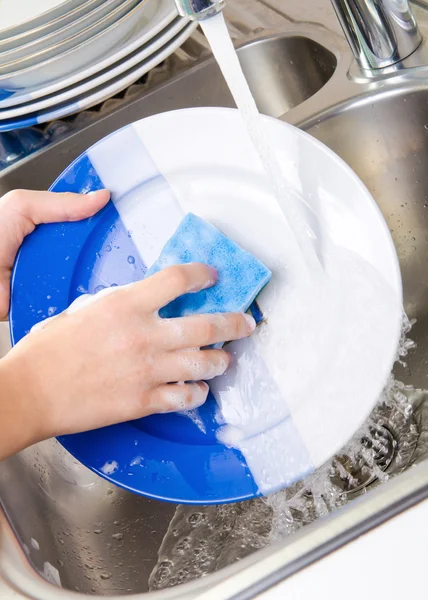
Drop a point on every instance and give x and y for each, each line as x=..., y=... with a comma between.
x=195, y=518
x=117, y=536
x=131, y=260
x=108, y=248
x=99, y=288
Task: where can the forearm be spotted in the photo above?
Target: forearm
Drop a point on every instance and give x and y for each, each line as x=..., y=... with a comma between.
x=19, y=421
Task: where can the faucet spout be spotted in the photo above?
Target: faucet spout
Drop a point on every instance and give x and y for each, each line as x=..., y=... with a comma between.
x=199, y=9
x=381, y=33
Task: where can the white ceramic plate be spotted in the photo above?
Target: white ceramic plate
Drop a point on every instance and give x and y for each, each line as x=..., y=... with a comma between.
x=8, y=43
x=200, y=161
x=51, y=44
x=17, y=16
x=155, y=16
x=102, y=92
x=76, y=50
x=134, y=59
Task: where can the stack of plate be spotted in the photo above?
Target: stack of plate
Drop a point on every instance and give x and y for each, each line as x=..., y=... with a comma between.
x=69, y=55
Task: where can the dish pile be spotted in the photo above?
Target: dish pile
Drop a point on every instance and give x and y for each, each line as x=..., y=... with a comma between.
x=69, y=55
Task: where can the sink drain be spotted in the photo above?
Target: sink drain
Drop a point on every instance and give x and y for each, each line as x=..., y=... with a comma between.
x=386, y=449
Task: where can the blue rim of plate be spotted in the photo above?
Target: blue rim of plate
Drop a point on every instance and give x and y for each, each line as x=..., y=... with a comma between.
x=165, y=457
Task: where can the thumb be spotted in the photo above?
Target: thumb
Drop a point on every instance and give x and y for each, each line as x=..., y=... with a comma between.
x=4, y=292
x=36, y=207
x=22, y=210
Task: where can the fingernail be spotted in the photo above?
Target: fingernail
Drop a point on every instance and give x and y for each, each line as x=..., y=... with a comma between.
x=214, y=276
x=223, y=365
x=199, y=395
x=250, y=322
x=95, y=192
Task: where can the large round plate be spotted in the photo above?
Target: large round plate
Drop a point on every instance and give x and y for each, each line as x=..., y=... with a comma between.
x=38, y=48
x=120, y=77
x=158, y=169
x=45, y=29
x=74, y=53
x=158, y=14
x=91, y=83
x=36, y=14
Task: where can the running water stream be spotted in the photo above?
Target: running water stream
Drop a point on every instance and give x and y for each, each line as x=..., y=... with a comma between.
x=216, y=32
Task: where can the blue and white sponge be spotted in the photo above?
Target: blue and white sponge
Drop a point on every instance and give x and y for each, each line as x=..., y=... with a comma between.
x=240, y=275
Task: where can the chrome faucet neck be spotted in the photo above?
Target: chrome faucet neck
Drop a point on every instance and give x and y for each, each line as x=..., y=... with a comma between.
x=199, y=9
x=381, y=33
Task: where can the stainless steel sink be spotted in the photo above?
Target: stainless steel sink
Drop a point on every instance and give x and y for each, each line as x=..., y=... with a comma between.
x=284, y=71
x=74, y=528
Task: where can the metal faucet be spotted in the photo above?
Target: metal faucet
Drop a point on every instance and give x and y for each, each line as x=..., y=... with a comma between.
x=199, y=9
x=381, y=33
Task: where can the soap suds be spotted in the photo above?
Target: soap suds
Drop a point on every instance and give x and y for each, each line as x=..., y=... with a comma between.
x=80, y=302
x=180, y=401
x=306, y=381
x=51, y=574
x=110, y=467
x=35, y=544
x=198, y=369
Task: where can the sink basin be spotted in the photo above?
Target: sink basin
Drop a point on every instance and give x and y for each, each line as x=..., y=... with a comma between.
x=390, y=154
x=79, y=531
x=282, y=72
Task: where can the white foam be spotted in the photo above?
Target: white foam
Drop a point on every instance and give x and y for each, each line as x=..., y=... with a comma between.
x=80, y=302
x=51, y=573
x=110, y=467
x=35, y=544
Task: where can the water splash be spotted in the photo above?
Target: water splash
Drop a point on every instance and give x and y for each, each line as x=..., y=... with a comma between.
x=203, y=540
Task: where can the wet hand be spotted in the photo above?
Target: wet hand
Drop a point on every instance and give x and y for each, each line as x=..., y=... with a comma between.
x=115, y=359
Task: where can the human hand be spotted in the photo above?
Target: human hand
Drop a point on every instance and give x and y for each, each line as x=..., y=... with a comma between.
x=22, y=210
x=115, y=360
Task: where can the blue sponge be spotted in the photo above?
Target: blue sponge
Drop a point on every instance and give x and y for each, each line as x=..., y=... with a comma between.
x=240, y=276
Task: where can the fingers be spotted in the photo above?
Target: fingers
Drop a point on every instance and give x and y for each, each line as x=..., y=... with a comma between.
x=204, y=330
x=177, y=397
x=170, y=283
x=51, y=207
x=22, y=210
x=192, y=365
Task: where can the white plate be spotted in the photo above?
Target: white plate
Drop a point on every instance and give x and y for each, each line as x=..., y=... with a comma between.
x=52, y=41
x=156, y=15
x=136, y=58
x=201, y=161
x=102, y=92
x=17, y=16
x=8, y=43
x=78, y=49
